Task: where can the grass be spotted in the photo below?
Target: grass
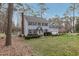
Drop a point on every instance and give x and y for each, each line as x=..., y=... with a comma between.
x=64, y=45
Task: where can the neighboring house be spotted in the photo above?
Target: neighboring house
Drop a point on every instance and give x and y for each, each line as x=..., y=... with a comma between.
x=35, y=25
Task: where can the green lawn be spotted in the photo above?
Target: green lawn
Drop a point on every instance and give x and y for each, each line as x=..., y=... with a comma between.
x=64, y=45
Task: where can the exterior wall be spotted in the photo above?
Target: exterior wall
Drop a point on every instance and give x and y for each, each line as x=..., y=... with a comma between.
x=53, y=30
x=33, y=27
x=27, y=27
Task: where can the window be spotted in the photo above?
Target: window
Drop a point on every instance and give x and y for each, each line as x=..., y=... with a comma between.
x=46, y=24
x=42, y=24
x=39, y=23
x=34, y=31
x=30, y=31
x=34, y=23
x=29, y=23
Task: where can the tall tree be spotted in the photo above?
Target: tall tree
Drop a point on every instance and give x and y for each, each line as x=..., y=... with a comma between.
x=43, y=9
x=20, y=8
x=67, y=22
x=3, y=16
x=77, y=25
x=72, y=10
x=57, y=20
x=22, y=22
x=0, y=5
x=23, y=10
x=9, y=24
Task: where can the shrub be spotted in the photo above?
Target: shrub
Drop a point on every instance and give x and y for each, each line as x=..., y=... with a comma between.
x=30, y=36
x=47, y=34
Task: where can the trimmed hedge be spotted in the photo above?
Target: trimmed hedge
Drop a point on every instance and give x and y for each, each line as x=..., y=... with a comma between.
x=47, y=34
x=30, y=36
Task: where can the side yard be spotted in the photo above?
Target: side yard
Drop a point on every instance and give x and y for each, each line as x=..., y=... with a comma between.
x=64, y=45
x=18, y=47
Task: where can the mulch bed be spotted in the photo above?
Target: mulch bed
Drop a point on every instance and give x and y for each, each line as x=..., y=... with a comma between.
x=18, y=48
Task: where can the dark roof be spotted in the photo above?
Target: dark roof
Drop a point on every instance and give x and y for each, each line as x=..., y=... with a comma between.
x=35, y=19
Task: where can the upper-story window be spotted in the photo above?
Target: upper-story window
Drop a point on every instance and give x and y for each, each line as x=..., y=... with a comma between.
x=29, y=23
x=39, y=23
x=44, y=24
x=29, y=31
x=32, y=23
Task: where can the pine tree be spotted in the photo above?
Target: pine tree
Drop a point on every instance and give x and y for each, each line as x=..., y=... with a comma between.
x=9, y=23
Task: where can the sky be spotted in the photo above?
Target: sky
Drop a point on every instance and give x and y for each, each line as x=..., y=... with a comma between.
x=53, y=10
x=57, y=9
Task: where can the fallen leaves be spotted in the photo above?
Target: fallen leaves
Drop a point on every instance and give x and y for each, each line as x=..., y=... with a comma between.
x=18, y=48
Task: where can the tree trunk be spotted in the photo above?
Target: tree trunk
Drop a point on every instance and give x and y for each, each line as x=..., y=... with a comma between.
x=9, y=24
x=22, y=24
x=74, y=18
x=0, y=5
x=73, y=21
x=41, y=14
